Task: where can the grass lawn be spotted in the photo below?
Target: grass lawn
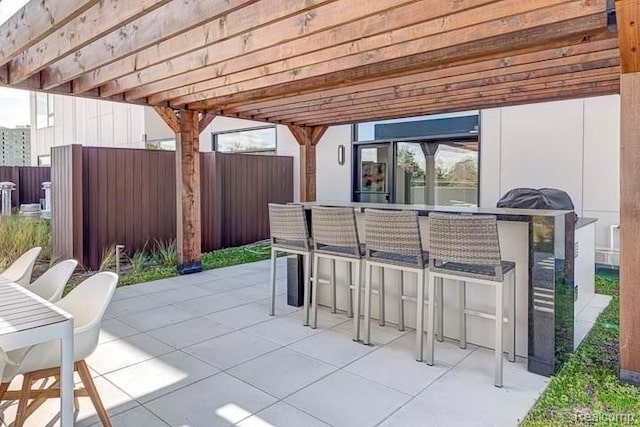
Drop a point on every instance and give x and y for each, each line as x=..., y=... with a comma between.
x=210, y=260
x=587, y=390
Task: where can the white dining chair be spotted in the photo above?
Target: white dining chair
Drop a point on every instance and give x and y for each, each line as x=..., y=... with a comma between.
x=20, y=271
x=52, y=282
x=87, y=303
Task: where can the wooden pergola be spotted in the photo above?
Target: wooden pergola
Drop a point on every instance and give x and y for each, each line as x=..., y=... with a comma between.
x=310, y=64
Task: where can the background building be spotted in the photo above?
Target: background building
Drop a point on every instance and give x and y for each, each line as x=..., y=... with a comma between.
x=15, y=146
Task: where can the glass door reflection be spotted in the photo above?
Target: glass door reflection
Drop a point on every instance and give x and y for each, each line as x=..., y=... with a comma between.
x=437, y=173
x=373, y=173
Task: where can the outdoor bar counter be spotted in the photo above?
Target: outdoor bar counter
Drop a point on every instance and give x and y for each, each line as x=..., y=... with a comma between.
x=549, y=290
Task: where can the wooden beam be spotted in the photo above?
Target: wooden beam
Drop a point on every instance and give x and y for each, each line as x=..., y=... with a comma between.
x=401, y=58
x=510, y=62
x=35, y=21
x=291, y=37
x=307, y=138
x=628, y=22
x=447, y=92
x=510, y=77
x=263, y=24
x=205, y=120
x=502, y=100
x=169, y=117
x=189, y=233
x=87, y=27
x=462, y=27
x=630, y=228
x=154, y=27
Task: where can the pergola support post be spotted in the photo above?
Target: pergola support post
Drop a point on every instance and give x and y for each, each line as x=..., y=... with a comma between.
x=307, y=137
x=630, y=228
x=628, y=24
x=187, y=126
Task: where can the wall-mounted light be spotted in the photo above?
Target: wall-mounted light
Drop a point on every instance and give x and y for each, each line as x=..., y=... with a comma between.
x=341, y=154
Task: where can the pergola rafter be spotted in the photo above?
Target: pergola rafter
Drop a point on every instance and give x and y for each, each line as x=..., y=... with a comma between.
x=310, y=64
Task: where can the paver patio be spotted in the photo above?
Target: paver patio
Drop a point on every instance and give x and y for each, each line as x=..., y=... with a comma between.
x=201, y=350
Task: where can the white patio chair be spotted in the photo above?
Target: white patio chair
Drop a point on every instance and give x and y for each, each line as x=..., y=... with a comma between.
x=52, y=282
x=87, y=303
x=20, y=271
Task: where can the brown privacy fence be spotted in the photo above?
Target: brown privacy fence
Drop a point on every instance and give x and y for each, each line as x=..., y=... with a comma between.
x=106, y=196
x=28, y=181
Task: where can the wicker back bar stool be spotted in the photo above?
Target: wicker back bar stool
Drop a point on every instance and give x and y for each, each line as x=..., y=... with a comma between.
x=335, y=238
x=290, y=234
x=393, y=242
x=466, y=248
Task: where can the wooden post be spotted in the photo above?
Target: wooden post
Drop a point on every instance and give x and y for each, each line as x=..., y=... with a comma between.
x=188, y=193
x=187, y=126
x=628, y=22
x=630, y=228
x=308, y=138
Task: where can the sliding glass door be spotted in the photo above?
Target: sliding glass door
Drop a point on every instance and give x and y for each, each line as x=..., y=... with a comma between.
x=436, y=172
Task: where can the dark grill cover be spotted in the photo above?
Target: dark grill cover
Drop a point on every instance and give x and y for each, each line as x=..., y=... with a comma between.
x=530, y=198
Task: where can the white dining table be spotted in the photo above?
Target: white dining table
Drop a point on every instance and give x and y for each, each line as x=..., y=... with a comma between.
x=26, y=320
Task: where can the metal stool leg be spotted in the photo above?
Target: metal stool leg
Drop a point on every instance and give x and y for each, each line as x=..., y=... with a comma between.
x=420, y=316
x=307, y=279
x=356, y=300
x=463, y=315
x=349, y=292
x=499, y=335
x=333, y=285
x=440, y=305
x=401, y=303
x=367, y=304
x=314, y=291
x=272, y=308
x=431, y=317
x=512, y=317
x=381, y=296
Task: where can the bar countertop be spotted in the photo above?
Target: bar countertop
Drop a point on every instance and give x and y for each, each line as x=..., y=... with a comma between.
x=425, y=209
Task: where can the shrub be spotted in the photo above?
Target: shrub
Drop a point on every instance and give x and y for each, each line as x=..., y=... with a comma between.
x=165, y=253
x=18, y=235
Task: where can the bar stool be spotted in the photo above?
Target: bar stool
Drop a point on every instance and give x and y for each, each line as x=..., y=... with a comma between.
x=335, y=238
x=467, y=248
x=393, y=241
x=290, y=234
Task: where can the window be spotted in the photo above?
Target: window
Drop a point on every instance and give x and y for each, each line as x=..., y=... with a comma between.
x=44, y=110
x=257, y=140
x=44, y=160
x=168, y=144
x=431, y=160
x=437, y=172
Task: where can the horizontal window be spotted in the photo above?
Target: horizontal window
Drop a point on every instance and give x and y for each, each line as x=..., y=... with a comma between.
x=257, y=140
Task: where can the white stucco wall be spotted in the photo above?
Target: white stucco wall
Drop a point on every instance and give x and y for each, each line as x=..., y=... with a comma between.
x=571, y=145
x=333, y=181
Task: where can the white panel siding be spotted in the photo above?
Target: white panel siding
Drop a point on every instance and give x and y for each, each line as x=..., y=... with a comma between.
x=92, y=123
x=288, y=146
x=570, y=145
x=490, y=138
x=542, y=147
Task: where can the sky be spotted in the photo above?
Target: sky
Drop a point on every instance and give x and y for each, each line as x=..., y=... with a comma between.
x=14, y=104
